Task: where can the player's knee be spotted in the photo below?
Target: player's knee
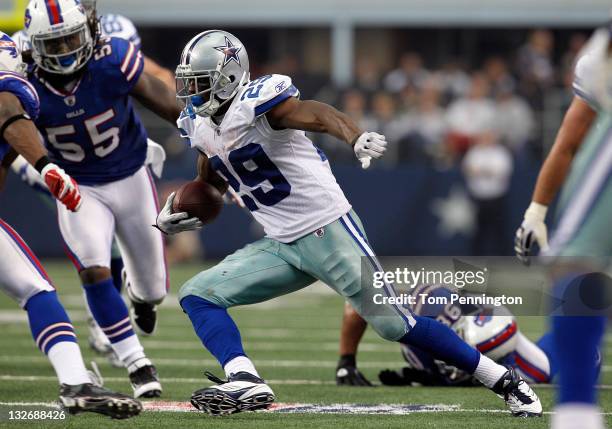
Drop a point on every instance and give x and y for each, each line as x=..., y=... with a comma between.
x=389, y=328
x=198, y=287
x=92, y=275
x=345, y=276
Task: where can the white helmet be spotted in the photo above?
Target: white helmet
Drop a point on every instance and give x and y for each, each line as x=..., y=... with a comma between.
x=10, y=58
x=493, y=335
x=60, y=35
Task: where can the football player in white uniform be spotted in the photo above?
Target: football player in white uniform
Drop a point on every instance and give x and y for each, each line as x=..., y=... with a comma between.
x=109, y=25
x=250, y=135
x=581, y=160
x=22, y=276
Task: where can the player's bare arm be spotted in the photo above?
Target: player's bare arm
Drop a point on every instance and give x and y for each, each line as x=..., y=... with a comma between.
x=154, y=69
x=156, y=96
x=18, y=130
x=576, y=124
x=310, y=115
x=210, y=176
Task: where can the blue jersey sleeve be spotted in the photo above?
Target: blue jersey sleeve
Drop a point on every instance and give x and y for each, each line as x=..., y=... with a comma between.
x=23, y=90
x=122, y=62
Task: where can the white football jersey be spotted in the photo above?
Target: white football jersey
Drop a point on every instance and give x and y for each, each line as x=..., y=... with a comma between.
x=111, y=25
x=282, y=177
x=590, y=80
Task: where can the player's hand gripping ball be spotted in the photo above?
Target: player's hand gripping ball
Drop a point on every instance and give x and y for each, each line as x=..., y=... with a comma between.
x=190, y=208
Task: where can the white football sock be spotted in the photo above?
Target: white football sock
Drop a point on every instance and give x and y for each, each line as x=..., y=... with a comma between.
x=240, y=363
x=577, y=416
x=488, y=372
x=68, y=363
x=129, y=350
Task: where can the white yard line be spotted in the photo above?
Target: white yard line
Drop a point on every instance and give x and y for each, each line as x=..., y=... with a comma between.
x=281, y=363
x=381, y=409
x=287, y=382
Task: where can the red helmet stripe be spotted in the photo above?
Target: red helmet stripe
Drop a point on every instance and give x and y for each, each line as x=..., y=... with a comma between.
x=54, y=11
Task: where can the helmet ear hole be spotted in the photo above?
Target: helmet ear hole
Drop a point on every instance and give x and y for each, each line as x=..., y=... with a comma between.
x=232, y=78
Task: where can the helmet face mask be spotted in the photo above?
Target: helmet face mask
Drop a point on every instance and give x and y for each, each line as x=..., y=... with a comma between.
x=213, y=68
x=62, y=48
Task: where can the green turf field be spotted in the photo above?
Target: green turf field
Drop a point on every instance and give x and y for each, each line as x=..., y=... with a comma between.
x=293, y=342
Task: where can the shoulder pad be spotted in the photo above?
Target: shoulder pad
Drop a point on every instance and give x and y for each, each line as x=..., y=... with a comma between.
x=267, y=91
x=589, y=74
x=23, y=90
x=584, y=76
x=121, y=57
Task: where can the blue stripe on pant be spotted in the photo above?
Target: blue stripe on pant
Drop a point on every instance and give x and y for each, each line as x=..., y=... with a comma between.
x=359, y=238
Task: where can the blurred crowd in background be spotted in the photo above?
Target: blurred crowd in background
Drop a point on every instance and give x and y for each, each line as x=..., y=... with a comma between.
x=437, y=114
x=434, y=114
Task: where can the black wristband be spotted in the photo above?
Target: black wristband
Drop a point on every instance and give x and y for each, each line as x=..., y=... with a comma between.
x=11, y=120
x=42, y=163
x=355, y=139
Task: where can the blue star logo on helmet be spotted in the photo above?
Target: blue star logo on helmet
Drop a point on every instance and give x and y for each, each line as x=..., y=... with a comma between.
x=230, y=51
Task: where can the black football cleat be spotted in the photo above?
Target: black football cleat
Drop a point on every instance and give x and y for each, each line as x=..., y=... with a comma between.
x=87, y=397
x=522, y=401
x=145, y=382
x=241, y=392
x=143, y=314
x=350, y=376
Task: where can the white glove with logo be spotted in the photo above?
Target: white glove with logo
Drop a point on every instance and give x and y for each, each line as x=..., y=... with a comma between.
x=173, y=223
x=369, y=145
x=533, y=229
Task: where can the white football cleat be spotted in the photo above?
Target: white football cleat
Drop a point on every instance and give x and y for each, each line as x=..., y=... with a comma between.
x=522, y=401
x=241, y=392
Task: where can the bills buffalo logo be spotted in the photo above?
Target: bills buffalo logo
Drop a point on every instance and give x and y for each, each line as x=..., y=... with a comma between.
x=28, y=18
x=482, y=319
x=9, y=46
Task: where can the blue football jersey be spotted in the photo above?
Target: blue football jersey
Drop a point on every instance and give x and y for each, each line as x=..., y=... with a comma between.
x=25, y=92
x=93, y=131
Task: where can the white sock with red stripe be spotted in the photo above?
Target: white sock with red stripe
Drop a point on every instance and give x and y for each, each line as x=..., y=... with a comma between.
x=68, y=363
x=488, y=372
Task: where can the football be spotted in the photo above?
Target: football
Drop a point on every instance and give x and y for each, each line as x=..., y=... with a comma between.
x=198, y=199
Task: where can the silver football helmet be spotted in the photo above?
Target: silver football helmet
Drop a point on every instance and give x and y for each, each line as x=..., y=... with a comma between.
x=214, y=67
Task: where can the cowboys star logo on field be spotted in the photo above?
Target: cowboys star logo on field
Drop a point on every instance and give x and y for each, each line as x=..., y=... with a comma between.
x=230, y=51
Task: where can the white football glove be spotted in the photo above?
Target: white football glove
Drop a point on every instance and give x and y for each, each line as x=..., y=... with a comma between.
x=369, y=145
x=156, y=156
x=173, y=223
x=533, y=229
